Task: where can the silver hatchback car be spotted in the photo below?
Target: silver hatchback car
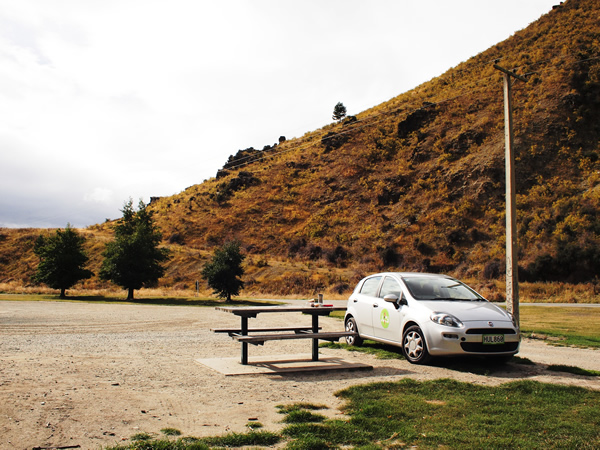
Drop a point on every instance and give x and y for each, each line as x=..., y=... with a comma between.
x=429, y=315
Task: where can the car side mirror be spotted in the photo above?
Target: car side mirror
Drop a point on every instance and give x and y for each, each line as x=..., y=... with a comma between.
x=393, y=298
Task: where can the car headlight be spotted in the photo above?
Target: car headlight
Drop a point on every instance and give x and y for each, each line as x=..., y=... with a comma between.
x=446, y=319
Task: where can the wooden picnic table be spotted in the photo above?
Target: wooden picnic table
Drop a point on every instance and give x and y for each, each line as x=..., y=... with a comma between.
x=244, y=336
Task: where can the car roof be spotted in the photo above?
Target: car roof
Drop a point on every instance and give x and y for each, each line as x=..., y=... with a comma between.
x=411, y=274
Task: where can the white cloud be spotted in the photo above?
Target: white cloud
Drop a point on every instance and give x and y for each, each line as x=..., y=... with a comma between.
x=102, y=101
x=99, y=195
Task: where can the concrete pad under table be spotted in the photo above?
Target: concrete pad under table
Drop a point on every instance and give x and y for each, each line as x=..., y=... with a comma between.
x=273, y=365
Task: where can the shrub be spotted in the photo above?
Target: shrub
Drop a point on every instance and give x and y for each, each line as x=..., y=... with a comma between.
x=175, y=238
x=262, y=262
x=414, y=121
x=424, y=248
x=572, y=264
x=340, y=288
x=312, y=252
x=226, y=189
x=242, y=157
x=295, y=246
x=389, y=256
x=493, y=269
x=333, y=140
x=337, y=256
x=297, y=283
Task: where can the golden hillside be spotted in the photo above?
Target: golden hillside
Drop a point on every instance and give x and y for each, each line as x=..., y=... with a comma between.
x=416, y=183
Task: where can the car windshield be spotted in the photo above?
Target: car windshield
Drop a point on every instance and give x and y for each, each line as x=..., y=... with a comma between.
x=441, y=288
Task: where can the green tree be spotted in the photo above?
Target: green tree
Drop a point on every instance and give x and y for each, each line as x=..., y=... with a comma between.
x=134, y=259
x=62, y=259
x=339, y=112
x=224, y=270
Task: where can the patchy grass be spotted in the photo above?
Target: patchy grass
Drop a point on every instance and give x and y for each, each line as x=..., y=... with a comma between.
x=170, y=432
x=563, y=340
x=573, y=370
x=523, y=414
x=380, y=351
x=253, y=425
x=252, y=438
x=142, y=437
x=303, y=416
x=301, y=413
x=236, y=440
x=428, y=414
x=286, y=409
x=562, y=326
x=451, y=414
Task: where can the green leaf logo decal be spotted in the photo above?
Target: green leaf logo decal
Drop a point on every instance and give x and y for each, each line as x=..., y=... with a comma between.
x=384, y=318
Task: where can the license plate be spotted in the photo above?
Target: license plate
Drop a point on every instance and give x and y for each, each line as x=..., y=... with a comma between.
x=493, y=339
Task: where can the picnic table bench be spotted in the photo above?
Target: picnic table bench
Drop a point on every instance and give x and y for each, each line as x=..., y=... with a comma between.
x=238, y=331
x=313, y=332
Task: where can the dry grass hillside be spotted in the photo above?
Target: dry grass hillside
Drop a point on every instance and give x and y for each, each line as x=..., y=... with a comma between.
x=416, y=183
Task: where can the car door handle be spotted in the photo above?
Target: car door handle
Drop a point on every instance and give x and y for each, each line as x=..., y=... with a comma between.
x=355, y=300
x=375, y=305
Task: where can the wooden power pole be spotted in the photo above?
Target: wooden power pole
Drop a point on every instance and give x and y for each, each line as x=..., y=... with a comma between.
x=512, y=256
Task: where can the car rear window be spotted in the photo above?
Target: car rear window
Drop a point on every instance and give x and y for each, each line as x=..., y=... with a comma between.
x=370, y=286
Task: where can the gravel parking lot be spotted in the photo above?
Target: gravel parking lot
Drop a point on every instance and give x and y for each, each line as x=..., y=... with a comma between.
x=94, y=374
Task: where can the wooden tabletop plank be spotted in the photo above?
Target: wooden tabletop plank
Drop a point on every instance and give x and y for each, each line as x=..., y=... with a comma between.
x=253, y=310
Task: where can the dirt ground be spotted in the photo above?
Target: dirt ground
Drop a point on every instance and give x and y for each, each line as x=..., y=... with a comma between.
x=95, y=374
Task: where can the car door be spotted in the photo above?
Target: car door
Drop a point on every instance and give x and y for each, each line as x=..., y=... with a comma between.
x=363, y=304
x=386, y=318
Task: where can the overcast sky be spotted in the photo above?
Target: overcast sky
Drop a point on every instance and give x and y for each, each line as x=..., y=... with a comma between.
x=103, y=100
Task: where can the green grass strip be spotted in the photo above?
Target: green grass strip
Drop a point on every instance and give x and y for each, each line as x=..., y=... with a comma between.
x=574, y=370
x=380, y=351
x=522, y=414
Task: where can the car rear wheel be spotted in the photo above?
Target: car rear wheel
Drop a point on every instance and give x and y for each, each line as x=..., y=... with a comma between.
x=414, y=346
x=353, y=340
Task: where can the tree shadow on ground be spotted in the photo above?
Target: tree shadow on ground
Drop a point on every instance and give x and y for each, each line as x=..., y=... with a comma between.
x=161, y=301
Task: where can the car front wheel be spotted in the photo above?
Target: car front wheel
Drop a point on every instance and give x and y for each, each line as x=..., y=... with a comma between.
x=353, y=340
x=414, y=346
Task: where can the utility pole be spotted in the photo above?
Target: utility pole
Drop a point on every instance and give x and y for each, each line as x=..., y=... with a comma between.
x=512, y=256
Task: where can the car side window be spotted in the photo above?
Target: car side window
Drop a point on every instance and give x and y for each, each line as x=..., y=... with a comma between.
x=370, y=286
x=390, y=286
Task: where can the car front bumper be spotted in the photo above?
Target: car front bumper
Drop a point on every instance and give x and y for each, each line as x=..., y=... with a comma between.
x=469, y=340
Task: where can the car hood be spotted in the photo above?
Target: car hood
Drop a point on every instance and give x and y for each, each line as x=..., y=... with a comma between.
x=466, y=311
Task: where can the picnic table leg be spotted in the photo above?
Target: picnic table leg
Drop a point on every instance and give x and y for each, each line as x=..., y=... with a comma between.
x=244, y=344
x=315, y=343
